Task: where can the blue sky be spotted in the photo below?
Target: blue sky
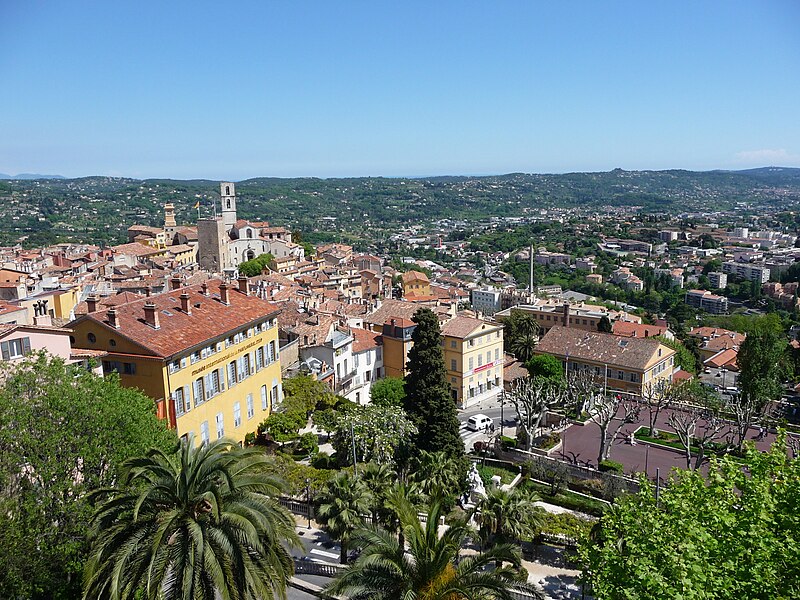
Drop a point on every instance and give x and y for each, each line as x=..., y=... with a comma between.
x=242, y=89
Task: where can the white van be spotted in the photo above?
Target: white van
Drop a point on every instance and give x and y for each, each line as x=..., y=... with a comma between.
x=479, y=422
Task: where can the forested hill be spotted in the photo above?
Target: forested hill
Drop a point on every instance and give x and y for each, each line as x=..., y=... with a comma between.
x=101, y=208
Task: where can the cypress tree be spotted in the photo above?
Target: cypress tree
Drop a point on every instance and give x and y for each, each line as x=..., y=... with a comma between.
x=428, y=402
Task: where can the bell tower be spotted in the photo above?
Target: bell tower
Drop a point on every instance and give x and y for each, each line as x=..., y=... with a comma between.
x=227, y=192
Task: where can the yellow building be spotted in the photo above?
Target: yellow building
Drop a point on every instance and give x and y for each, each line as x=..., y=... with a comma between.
x=626, y=364
x=396, y=337
x=416, y=283
x=207, y=354
x=473, y=357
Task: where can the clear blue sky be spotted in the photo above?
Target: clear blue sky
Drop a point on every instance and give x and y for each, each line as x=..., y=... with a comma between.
x=333, y=88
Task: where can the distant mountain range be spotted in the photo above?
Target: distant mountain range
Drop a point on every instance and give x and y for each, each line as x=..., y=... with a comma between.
x=30, y=176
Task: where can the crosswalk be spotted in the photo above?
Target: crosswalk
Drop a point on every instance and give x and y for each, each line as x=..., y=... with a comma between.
x=470, y=437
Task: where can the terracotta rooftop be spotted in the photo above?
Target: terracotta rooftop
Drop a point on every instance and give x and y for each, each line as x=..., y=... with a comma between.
x=414, y=276
x=364, y=340
x=462, y=326
x=725, y=358
x=604, y=348
x=135, y=249
x=209, y=318
x=639, y=330
x=399, y=309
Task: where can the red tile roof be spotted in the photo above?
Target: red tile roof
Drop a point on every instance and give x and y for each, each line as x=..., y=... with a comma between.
x=180, y=331
x=364, y=340
x=638, y=330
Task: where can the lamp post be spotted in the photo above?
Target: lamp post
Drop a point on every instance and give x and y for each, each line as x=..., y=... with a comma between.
x=502, y=403
x=308, y=502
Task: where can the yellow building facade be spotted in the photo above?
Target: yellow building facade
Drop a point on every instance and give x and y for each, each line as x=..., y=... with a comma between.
x=474, y=359
x=207, y=355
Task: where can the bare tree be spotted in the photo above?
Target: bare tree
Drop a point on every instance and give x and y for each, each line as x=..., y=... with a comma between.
x=697, y=428
x=658, y=395
x=603, y=413
x=531, y=398
x=580, y=391
x=746, y=409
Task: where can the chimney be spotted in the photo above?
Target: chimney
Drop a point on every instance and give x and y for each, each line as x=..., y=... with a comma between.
x=185, y=306
x=91, y=303
x=147, y=291
x=243, y=285
x=175, y=282
x=151, y=315
x=204, y=288
x=112, y=318
x=43, y=320
x=223, y=294
x=566, y=314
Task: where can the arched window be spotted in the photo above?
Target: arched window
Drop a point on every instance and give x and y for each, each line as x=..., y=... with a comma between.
x=249, y=233
x=229, y=203
x=228, y=193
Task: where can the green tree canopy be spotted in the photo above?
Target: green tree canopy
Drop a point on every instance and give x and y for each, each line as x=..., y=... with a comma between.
x=388, y=391
x=256, y=266
x=762, y=366
x=377, y=431
x=428, y=402
x=546, y=366
x=63, y=433
x=732, y=534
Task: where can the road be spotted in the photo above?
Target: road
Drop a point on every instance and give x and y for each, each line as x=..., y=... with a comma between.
x=493, y=410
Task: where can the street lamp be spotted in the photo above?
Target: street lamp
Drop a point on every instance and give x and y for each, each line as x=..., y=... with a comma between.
x=308, y=502
x=502, y=403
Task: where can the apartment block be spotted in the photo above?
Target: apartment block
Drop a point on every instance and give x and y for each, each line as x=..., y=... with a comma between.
x=705, y=300
x=206, y=354
x=473, y=357
x=746, y=271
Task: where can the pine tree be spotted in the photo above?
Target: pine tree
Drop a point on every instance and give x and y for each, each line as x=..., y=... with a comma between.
x=428, y=401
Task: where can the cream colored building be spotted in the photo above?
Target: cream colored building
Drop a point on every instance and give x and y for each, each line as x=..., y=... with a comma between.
x=473, y=357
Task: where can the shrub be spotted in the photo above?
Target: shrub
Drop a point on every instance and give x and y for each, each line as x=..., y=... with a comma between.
x=507, y=443
x=611, y=465
x=307, y=444
x=593, y=487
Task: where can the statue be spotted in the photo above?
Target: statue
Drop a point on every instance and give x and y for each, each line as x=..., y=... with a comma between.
x=475, y=484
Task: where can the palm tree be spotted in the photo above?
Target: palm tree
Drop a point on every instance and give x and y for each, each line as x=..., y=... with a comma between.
x=341, y=508
x=430, y=567
x=522, y=334
x=509, y=516
x=198, y=523
x=379, y=479
x=436, y=474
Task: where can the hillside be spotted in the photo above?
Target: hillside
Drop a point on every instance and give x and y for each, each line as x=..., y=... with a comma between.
x=101, y=208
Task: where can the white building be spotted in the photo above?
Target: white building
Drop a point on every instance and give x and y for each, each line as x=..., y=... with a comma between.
x=487, y=301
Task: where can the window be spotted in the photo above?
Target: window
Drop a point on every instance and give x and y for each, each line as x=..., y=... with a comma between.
x=263, y=397
x=129, y=368
x=220, y=425
x=204, y=432
x=92, y=338
x=250, y=410
x=471, y=363
x=452, y=343
x=178, y=399
x=497, y=353
x=488, y=357
x=198, y=392
x=620, y=375
x=271, y=353
x=452, y=364
x=480, y=360
x=195, y=357
x=237, y=414
x=273, y=395
x=259, y=357
x=174, y=366
x=232, y=374
x=112, y=342
x=16, y=348
x=369, y=358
